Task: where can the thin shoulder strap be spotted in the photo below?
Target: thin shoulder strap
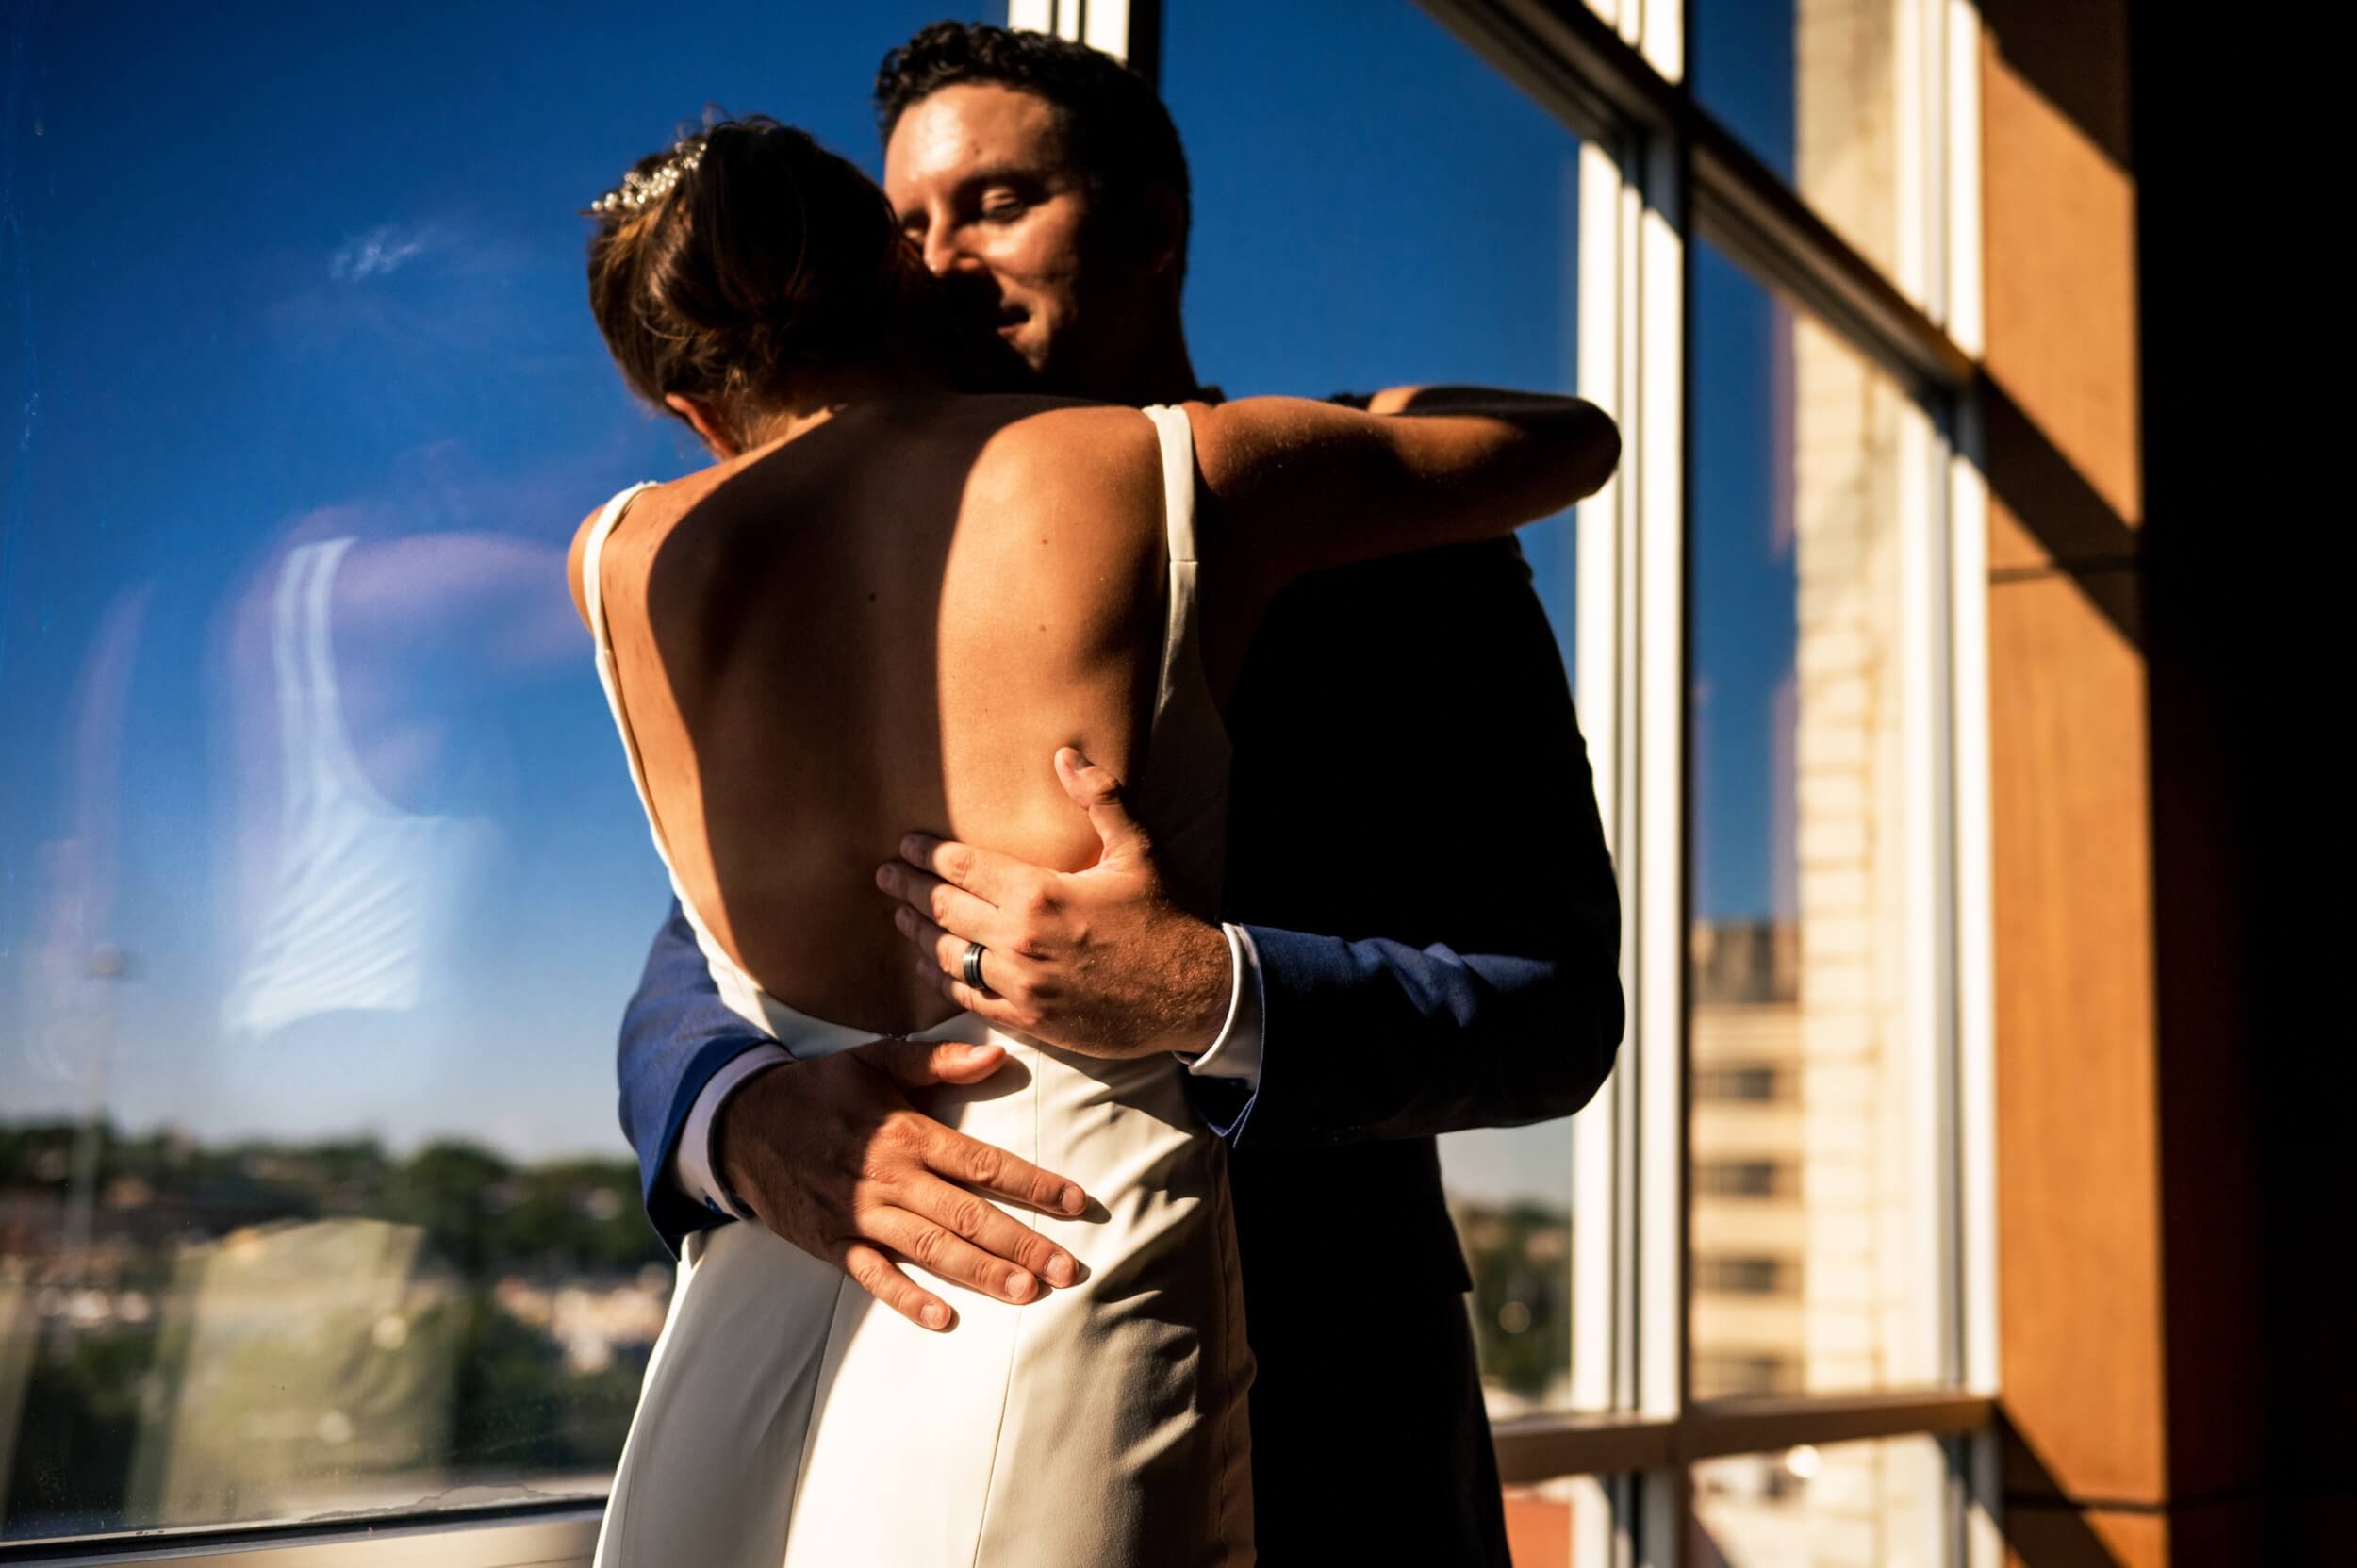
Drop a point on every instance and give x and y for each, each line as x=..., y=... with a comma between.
x=1182, y=684
x=737, y=989
x=593, y=600
x=1183, y=787
x=593, y=555
x=1178, y=441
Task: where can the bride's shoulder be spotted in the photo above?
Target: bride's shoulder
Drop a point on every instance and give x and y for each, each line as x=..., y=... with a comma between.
x=1053, y=447
x=577, y=553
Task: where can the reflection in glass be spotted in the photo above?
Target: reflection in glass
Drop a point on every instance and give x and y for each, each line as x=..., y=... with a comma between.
x=1849, y=1505
x=319, y=892
x=1814, y=1226
x=1812, y=87
x=1402, y=214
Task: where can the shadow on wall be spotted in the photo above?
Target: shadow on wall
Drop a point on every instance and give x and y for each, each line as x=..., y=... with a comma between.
x=2071, y=54
x=2084, y=535
x=2042, y=1528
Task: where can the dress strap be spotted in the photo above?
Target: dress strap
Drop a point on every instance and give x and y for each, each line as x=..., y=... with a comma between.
x=1182, y=679
x=1177, y=443
x=1183, y=788
x=593, y=553
x=593, y=600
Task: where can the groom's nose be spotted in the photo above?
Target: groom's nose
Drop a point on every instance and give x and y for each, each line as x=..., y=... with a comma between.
x=944, y=251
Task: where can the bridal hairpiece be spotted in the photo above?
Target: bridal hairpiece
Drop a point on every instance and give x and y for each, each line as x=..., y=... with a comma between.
x=638, y=189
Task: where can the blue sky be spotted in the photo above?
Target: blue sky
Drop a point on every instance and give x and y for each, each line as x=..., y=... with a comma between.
x=280, y=274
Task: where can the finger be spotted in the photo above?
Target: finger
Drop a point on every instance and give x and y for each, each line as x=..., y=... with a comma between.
x=1097, y=792
x=881, y=1278
x=948, y=948
x=948, y=905
x=984, y=872
x=998, y=1009
x=942, y=1252
x=988, y=1168
x=993, y=1229
x=1006, y=977
x=918, y=1063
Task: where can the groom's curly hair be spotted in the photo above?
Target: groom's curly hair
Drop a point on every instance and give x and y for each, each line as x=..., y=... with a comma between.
x=1114, y=126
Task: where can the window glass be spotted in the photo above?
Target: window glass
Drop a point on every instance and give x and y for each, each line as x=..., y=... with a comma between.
x=322, y=884
x=1882, y=1504
x=1814, y=1229
x=1811, y=87
x=1375, y=205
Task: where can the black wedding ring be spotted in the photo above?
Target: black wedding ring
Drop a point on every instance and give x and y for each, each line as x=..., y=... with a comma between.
x=973, y=967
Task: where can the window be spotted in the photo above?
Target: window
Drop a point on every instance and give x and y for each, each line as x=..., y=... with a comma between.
x=1848, y=1505
x=1812, y=89
x=1757, y=1373
x=1746, y=1178
x=1787, y=1160
x=1746, y=1273
x=1802, y=947
x=318, y=898
x=1402, y=215
x=284, y=1235
x=1743, y=1083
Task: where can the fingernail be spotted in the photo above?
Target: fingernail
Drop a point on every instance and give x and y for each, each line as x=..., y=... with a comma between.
x=884, y=878
x=1018, y=1283
x=935, y=1315
x=1070, y=1200
x=901, y=918
x=1062, y=1272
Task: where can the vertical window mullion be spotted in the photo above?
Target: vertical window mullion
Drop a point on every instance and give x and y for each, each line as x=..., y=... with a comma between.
x=1658, y=868
x=1602, y=1370
x=1659, y=871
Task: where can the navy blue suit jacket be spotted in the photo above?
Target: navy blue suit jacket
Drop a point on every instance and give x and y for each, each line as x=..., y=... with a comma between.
x=1410, y=779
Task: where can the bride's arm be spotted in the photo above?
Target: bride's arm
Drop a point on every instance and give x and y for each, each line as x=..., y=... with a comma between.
x=1295, y=487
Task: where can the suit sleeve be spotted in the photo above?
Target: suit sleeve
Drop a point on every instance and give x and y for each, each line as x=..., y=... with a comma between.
x=676, y=1034
x=1391, y=1041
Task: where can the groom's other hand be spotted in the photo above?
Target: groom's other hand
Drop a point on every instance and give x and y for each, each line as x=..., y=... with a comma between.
x=1100, y=962
x=829, y=1154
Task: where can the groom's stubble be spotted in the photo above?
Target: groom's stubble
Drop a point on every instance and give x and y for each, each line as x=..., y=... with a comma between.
x=1078, y=284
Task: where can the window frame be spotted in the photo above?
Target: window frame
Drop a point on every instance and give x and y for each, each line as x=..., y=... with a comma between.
x=1661, y=169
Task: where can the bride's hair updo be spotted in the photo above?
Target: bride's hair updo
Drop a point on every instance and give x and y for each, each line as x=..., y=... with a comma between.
x=742, y=261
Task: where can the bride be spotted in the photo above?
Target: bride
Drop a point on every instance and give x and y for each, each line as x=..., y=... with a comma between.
x=883, y=604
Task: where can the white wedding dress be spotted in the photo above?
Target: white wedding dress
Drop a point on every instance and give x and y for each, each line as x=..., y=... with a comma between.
x=790, y=1421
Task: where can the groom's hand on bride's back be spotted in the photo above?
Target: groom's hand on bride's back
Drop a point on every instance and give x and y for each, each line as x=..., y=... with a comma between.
x=1101, y=961
x=829, y=1154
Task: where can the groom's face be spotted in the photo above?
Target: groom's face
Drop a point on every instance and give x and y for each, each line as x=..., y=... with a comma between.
x=984, y=186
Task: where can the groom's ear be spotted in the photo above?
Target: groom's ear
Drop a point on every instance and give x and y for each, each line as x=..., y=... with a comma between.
x=1161, y=231
x=699, y=415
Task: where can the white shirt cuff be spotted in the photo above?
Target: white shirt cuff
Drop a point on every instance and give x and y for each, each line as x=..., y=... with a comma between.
x=1236, y=1052
x=693, y=1167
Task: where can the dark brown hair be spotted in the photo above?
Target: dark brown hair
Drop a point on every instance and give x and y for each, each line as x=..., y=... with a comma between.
x=1120, y=136
x=759, y=259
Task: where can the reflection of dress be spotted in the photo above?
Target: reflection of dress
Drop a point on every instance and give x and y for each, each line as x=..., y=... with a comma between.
x=362, y=893
x=790, y=1419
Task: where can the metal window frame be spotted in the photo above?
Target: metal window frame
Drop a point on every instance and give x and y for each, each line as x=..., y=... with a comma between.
x=552, y=1535
x=1612, y=70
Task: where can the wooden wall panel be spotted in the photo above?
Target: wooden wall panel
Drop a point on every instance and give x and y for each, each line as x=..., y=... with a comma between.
x=2059, y=227
x=2078, y=1178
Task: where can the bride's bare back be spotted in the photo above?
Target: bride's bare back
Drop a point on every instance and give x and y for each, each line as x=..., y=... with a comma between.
x=889, y=623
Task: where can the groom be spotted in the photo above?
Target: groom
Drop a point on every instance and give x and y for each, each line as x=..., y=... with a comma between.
x=1406, y=764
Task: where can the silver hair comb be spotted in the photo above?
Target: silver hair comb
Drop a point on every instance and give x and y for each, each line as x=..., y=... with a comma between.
x=638, y=189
